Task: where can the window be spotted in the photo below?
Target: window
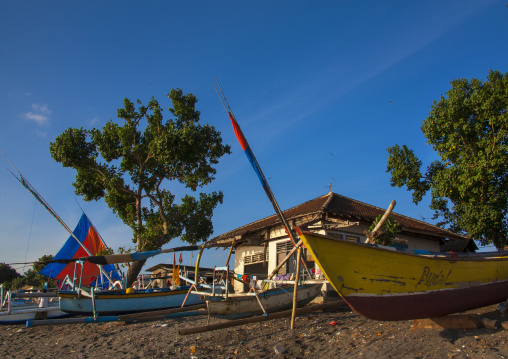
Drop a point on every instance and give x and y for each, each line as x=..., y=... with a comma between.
x=346, y=236
x=256, y=258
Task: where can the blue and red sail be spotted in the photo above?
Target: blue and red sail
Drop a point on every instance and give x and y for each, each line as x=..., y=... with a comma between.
x=89, y=237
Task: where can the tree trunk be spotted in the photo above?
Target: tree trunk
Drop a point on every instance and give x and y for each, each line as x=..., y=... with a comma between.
x=135, y=267
x=133, y=272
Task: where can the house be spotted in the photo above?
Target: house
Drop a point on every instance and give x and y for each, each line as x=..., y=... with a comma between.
x=162, y=275
x=260, y=246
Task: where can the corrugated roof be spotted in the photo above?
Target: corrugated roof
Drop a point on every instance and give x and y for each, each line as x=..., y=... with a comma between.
x=340, y=206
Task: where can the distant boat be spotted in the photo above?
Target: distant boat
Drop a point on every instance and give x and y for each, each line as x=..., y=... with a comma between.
x=242, y=305
x=383, y=283
x=21, y=315
x=17, y=311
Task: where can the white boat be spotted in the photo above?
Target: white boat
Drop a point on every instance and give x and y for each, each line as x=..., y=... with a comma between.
x=115, y=302
x=16, y=309
x=272, y=300
x=22, y=313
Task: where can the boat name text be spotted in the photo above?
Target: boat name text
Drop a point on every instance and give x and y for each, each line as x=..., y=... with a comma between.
x=429, y=278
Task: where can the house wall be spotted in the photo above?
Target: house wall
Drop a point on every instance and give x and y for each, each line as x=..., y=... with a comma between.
x=420, y=243
x=160, y=273
x=240, y=253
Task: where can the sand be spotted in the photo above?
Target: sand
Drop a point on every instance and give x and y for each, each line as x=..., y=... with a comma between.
x=337, y=333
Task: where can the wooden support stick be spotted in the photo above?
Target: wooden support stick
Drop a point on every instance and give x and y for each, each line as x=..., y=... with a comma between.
x=261, y=318
x=285, y=259
x=295, y=295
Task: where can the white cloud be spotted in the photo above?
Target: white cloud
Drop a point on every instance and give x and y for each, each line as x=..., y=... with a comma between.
x=41, y=108
x=40, y=114
x=42, y=134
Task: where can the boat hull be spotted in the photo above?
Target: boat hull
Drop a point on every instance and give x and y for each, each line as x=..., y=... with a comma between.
x=21, y=315
x=385, y=284
x=116, y=303
x=273, y=300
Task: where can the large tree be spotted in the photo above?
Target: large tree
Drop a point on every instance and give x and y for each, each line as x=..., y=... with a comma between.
x=129, y=165
x=468, y=128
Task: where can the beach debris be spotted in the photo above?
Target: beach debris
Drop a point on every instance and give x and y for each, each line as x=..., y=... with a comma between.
x=279, y=349
x=490, y=323
x=456, y=321
x=333, y=322
x=503, y=308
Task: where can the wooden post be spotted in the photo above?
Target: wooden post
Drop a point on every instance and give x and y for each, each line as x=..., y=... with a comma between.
x=295, y=295
x=196, y=271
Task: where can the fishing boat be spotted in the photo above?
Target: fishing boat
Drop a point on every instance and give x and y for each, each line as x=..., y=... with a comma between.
x=112, y=302
x=116, y=302
x=241, y=305
x=384, y=283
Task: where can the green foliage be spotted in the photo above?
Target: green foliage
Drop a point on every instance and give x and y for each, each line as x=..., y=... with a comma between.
x=387, y=232
x=469, y=183
x=16, y=283
x=30, y=277
x=7, y=273
x=128, y=164
x=39, y=265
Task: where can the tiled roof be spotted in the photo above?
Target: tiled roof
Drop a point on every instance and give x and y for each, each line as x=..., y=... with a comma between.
x=340, y=206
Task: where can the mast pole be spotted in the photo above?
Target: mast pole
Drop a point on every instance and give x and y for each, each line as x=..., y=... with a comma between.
x=250, y=155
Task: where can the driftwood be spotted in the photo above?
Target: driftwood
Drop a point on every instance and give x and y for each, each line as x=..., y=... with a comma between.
x=455, y=321
x=261, y=318
x=371, y=236
x=490, y=323
x=163, y=312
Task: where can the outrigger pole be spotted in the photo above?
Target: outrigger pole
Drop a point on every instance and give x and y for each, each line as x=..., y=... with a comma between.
x=252, y=159
x=45, y=204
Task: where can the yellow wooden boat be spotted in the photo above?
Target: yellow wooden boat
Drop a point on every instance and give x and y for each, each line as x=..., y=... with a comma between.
x=384, y=283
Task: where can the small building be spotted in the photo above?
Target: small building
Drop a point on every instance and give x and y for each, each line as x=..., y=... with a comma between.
x=260, y=246
x=162, y=275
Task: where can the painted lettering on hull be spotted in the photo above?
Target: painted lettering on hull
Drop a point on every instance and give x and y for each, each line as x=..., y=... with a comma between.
x=432, y=279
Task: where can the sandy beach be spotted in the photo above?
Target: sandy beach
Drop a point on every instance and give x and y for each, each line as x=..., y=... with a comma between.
x=324, y=334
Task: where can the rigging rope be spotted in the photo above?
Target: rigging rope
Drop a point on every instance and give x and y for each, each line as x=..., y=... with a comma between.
x=30, y=234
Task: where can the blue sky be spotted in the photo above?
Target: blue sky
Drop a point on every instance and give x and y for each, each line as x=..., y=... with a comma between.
x=320, y=88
